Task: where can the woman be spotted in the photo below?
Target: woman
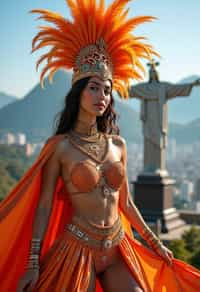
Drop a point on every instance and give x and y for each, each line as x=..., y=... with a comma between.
x=92, y=164
x=67, y=217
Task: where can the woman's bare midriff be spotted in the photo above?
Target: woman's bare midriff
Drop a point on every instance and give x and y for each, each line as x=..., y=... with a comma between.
x=95, y=209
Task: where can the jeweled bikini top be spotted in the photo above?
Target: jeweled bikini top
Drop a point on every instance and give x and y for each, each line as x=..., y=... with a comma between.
x=85, y=176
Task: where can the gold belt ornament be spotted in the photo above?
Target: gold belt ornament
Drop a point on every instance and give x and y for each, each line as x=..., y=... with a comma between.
x=104, y=243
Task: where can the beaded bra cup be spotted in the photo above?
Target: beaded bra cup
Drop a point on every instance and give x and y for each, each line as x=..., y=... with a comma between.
x=85, y=177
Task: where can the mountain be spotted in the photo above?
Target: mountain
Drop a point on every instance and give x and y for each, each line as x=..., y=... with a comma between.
x=6, y=99
x=35, y=113
x=180, y=105
x=129, y=122
x=185, y=134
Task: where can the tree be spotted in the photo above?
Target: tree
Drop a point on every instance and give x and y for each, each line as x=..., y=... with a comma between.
x=192, y=239
x=195, y=259
x=6, y=182
x=16, y=169
x=13, y=164
x=179, y=250
x=188, y=247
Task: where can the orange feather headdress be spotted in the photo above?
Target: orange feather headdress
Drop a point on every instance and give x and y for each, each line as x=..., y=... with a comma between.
x=97, y=42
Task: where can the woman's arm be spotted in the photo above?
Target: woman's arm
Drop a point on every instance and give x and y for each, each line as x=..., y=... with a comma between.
x=50, y=175
x=133, y=215
x=126, y=202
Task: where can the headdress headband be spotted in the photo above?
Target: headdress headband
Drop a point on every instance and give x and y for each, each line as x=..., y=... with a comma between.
x=96, y=42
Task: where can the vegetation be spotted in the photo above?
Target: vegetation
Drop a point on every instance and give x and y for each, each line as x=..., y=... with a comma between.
x=188, y=247
x=13, y=164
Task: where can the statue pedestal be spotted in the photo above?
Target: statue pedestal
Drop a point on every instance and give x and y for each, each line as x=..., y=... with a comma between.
x=154, y=198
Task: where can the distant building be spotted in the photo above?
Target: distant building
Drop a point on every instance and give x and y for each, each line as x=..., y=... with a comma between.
x=172, y=149
x=197, y=189
x=198, y=206
x=33, y=149
x=187, y=189
x=17, y=139
x=8, y=138
x=29, y=149
x=20, y=139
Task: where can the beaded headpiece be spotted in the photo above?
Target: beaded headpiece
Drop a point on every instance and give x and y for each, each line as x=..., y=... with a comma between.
x=96, y=42
x=93, y=60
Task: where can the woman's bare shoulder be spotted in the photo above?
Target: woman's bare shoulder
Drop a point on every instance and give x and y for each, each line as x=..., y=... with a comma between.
x=118, y=140
x=63, y=146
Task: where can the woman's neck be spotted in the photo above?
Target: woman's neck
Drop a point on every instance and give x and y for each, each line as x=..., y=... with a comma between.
x=86, y=123
x=86, y=127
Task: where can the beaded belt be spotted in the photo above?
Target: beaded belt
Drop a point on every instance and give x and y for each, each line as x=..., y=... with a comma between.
x=106, y=238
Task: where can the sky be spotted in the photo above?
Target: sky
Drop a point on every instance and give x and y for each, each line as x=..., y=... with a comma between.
x=175, y=35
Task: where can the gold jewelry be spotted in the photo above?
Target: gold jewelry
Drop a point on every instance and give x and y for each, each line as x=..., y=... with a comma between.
x=96, y=236
x=93, y=60
x=83, y=128
x=34, y=253
x=35, y=246
x=85, y=137
x=95, y=147
x=33, y=262
x=152, y=240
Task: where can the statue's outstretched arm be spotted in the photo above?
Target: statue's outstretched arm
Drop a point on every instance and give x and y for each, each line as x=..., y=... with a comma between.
x=174, y=90
x=142, y=91
x=196, y=82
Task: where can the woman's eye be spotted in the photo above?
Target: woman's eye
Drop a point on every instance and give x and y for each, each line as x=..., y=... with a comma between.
x=107, y=92
x=93, y=88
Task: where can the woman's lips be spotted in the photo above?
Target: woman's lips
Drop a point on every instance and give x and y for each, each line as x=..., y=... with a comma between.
x=99, y=105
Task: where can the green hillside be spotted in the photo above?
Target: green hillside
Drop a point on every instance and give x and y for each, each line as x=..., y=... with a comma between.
x=13, y=164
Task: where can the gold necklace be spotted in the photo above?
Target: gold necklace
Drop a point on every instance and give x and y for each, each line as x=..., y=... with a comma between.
x=85, y=137
x=95, y=147
x=97, y=151
x=83, y=129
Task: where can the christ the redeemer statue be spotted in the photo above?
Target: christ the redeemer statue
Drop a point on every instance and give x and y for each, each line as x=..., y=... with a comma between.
x=154, y=96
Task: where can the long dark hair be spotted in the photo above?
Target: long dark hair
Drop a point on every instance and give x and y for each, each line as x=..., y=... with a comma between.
x=66, y=119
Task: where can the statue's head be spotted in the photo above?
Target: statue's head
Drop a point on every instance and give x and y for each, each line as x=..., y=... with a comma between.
x=153, y=73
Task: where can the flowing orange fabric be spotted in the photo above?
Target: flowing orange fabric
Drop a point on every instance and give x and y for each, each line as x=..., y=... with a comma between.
x=16, y=218
x=66, y=267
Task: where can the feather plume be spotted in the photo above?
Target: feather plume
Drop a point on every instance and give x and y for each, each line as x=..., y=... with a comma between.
x=90, y=22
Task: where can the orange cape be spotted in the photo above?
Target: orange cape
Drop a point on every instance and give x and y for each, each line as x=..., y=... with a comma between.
x=16, y=218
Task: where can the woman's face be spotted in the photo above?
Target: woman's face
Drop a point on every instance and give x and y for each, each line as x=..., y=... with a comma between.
x=96, y=96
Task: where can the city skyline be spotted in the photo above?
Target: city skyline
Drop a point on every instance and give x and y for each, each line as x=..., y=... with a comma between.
x=174, y=35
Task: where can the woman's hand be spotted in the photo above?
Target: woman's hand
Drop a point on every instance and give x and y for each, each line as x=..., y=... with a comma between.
x=165, y=253
x=28, y=280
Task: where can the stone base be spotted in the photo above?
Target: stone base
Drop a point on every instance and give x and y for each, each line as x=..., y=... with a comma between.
x=154, y=198
x=174, y=234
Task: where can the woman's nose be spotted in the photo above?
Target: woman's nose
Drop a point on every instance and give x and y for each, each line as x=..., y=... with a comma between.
x=102, y=94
